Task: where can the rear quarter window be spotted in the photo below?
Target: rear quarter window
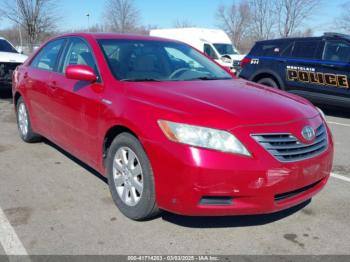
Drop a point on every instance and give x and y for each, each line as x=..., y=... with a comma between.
x=273, y=48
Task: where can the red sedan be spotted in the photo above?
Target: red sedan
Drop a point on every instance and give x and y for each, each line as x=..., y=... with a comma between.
x=170, y=128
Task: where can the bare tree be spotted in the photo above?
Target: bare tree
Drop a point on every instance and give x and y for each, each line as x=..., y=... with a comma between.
x=183, y=24
x=263, y=19
x=122, y=15
x=343, y=22
x=235, y=19
x=36, y=17
x=293, y=13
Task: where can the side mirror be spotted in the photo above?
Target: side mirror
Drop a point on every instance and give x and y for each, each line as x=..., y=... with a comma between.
x=81, y=72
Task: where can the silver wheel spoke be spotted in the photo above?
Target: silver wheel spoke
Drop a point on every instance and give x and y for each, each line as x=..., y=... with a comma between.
x=118, y=180
x=117, y=166
x=137, y=185
x=131, y=159
x=133, y=196
x=137, y=170
x=128, y=176
x=124, y=157
x=125, y=194
x=23, y=119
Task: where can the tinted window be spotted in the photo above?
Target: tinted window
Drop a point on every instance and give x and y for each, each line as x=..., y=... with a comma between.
x=272, y=48
x=78, y=53
x=137, y=60
x=337, y=51
x=47, y=57
x=209, y=51
x=304, y=49
x=6, y=47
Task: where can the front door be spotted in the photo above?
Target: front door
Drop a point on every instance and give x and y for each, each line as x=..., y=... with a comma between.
x=77, y=104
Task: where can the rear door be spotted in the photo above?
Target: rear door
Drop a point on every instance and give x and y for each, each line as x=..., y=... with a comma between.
x=335, y=67
x=303, y=59
x=36, y=79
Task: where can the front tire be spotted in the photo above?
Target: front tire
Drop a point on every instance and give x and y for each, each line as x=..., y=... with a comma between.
x=130, y=178
x=24, y=124
x=268, y=82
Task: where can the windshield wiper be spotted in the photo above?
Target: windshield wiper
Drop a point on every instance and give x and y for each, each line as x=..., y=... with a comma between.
x=207, y=78
x=140, y=80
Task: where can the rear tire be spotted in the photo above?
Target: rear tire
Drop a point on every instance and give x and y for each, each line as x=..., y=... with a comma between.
x=268, y=82
x=130, y=178
x=24, y=125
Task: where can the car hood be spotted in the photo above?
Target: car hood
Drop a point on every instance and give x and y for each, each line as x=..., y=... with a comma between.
x=224, y=104
x=8, y=57
x=237, y=57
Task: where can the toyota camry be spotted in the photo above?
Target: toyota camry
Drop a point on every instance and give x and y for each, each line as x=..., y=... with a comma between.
x=170, y=128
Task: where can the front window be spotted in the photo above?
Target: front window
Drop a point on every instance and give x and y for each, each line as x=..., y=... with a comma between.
x=138, y=60
x=78, y=53
x=6, y=47
x=225, y=49
x=337, y=51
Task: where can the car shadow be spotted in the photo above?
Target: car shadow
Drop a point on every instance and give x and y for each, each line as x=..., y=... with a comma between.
x=198, y=221
x=231, y=221
x=76, y=160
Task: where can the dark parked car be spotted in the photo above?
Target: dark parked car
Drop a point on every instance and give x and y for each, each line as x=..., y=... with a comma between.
x=317, y=68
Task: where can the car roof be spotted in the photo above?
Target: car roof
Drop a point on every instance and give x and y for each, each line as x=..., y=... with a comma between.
x=116, y=36
x=328, y=35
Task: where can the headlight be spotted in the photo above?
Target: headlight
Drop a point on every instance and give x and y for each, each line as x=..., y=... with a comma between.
x=321, y=113
x=203, y=137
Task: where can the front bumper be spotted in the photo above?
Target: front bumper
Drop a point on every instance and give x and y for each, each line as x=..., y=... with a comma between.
x=195, y=181
x=6, y=71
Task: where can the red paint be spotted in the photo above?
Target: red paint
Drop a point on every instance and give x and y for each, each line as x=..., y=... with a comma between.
x=81, y=72
x=79, y=122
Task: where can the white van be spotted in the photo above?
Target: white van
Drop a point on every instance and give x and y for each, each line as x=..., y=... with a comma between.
x=213, y=42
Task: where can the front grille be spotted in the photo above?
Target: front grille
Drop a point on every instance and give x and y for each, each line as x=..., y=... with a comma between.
x=287, y=148
x=6, y=70
x=291, y=194
x=236, y=63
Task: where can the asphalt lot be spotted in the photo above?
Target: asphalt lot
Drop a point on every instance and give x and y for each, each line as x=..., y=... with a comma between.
x=56, y=205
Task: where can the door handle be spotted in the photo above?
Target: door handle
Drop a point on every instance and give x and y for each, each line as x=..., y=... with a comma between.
x=329, y=65
x=53, y=85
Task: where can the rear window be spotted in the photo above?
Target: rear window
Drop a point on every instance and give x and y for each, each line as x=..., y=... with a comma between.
x=273, y=48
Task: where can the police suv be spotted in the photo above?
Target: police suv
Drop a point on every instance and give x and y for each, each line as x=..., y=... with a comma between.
x=317, y=68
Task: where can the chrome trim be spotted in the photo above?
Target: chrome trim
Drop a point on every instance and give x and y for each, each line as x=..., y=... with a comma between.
x=286, y=148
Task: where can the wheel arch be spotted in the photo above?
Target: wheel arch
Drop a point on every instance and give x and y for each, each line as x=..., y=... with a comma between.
x=268, y=74
x=110, y=134
x=16, y=96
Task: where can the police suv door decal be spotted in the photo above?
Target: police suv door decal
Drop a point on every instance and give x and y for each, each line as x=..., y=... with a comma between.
x=309, y=75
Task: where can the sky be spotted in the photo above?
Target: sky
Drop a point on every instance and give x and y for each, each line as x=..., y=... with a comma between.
x=164, y=13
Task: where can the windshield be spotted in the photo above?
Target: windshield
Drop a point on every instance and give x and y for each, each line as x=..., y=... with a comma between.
x=142, y=60
x=225, y=49
x=6, y=47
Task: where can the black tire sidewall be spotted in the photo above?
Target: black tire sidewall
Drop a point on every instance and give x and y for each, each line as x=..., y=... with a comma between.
x=144, y=208
x=268, y=82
